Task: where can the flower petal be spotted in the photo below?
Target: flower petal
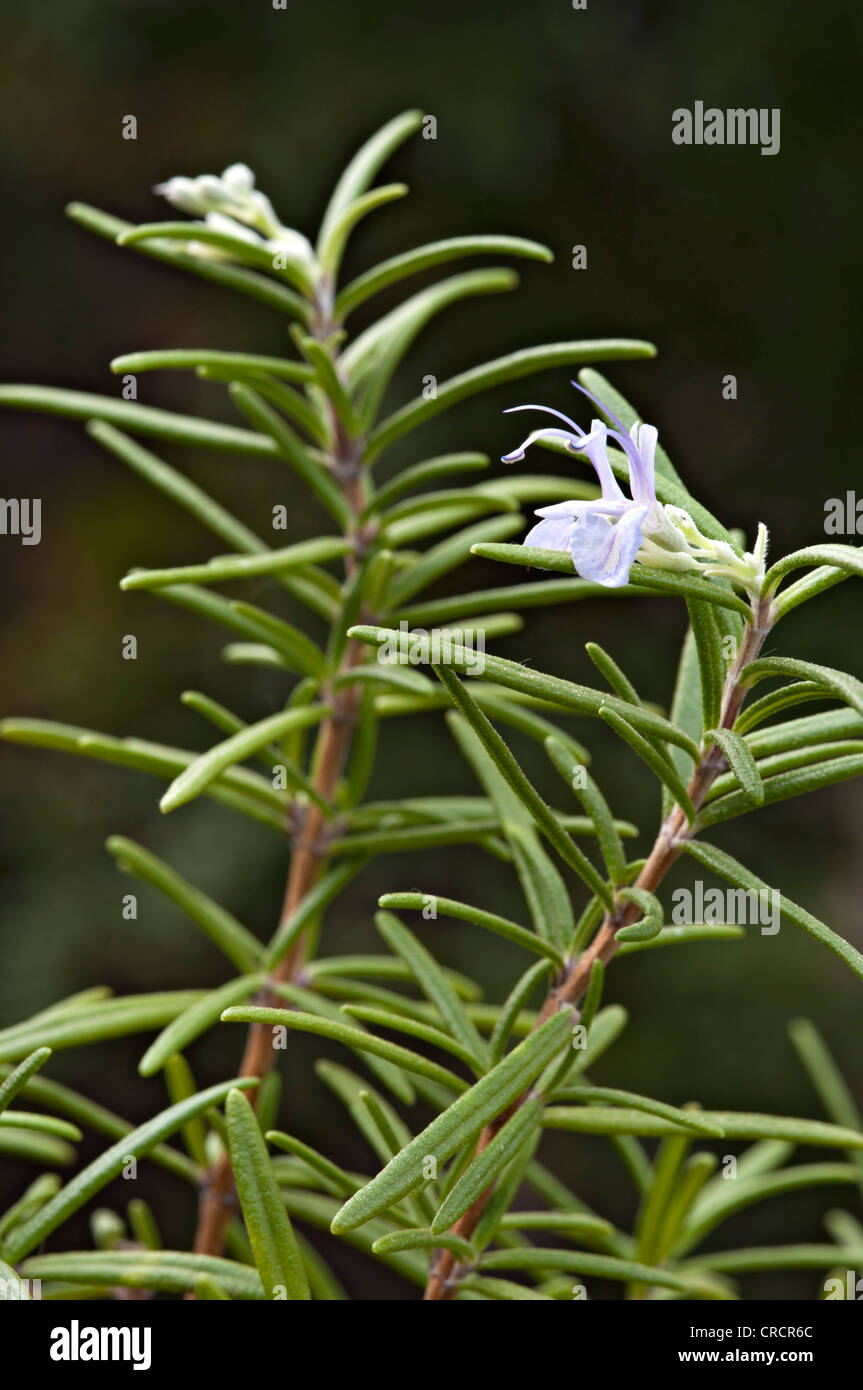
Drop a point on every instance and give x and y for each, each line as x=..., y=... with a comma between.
x=552, y=533
x=642, y=476
x=594, y=445
x=604, y=552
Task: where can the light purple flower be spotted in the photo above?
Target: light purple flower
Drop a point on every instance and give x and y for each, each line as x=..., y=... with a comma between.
x=605, y=535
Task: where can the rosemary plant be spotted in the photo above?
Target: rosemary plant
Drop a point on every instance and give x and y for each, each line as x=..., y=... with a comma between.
x=440, y=1209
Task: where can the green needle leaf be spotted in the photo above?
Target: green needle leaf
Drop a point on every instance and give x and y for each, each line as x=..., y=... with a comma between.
x=728, y=868
x=182, y=1031
x=222, y=569
x=689, y=1119
x=110, y=1164
x=464, y=1118
x=259, y=287
x=206, y=768
x=433, y=983
x=838, y=683
x=351, y=1037
x=424, y=1240
x=143, y=419
x=501, y=926
x=365, y=164
x=271, y=1236
x=487, y=1166
x=641, y=577
x=278, y=439
x=608, y=1119
x=435, y=253
x=192, y=358
x=594, y=803
x=496, y=373
x=550, y=689
x=331, y=245
x=18, y=1079
x=167, y=1271
x=740, y=760
x=648, y=754
x=111, y=1018
x=229, y=935
x=843, y=557
x=544, y=817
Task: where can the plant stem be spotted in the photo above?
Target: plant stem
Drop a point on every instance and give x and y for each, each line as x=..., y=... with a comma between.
x=218, y=1203
x=570, y=989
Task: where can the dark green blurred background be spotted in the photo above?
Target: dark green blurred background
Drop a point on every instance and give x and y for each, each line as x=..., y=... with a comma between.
x=553, y=124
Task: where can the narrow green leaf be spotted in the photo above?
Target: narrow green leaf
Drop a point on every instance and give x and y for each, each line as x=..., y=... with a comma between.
x=777, y=700
x=536, y=595
x=448, y=907
x=691, y=1119
x=648, y=754
x=86, y=1112
x=113, y=1018
x=238, y=248
x=486, y=1167
x=167, y=1271
x=716, y=1205
x=110, y=1164
x=610, y=1120
x=177, y=487
x=332, y=243
x=182, y=1031
x=223, y=929
x=199, y=774
x=797, y=733
x=464, y=1118
x=812, y=584
x=223, y=569
x=680, y=936
x=433, y=982
x=543, y=816
x=338, y=1179
x=140, y=419
x=400, y=1023
x=582, y=1262
x=424, y=1240
x=351, y=1037
x=779, y=1257
x=550, y=689
x=844, y=557
x=192, y=358
x=496, y=373
x=838, y=683
x=783, y=786
x=447, y=555
x=281, y=441
x=259, y=287
x=424, y=474
x=728, y=868
x=580, y=782
x=511, y=1011
x=435, y=253
x=17, y=1080
x=277, y=1256
x=740, y=760
x=365, y=164
x=641, y=577
x=711, y=664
